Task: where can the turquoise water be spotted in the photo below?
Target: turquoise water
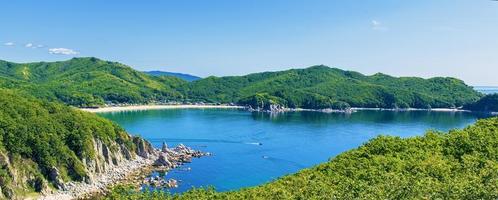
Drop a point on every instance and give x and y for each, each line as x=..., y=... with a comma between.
x=290, y=141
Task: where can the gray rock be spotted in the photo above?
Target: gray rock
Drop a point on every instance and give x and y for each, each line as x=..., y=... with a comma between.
x=144, y=148
x=164, y=148
x=162, y=161
x=55, y=177
x=126, y=152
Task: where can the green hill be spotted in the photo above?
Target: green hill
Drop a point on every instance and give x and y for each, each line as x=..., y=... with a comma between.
x=324, y=87
x=43, y=145
x=91, y=82
x=461, y=164
x=88, y=82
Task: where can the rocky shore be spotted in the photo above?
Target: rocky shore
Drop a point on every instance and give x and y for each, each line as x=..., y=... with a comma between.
x=274, y=108
x=169, y=159
x=130, y=171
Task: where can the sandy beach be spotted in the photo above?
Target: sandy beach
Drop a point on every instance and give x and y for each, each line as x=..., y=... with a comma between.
x=155, y=107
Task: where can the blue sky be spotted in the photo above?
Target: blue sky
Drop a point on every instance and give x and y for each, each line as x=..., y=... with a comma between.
x=425, y=38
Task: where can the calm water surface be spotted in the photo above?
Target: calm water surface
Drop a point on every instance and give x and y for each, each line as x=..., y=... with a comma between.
x=290, y=141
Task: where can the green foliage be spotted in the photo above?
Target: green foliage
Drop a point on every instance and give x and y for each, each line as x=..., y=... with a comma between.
x=88, y=82
x=461, y=164
x=323, y=87
x=263, y=100
x=51, y=134
x=488, y=103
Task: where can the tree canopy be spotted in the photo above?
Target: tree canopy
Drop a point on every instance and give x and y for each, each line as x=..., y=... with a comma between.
x=93, y=82
x=323, y=87
x=88, y=82
x=37, y=136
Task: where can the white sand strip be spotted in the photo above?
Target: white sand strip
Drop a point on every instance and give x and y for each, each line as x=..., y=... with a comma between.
x=155, y=107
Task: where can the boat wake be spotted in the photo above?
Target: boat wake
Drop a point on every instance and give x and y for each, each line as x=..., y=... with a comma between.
x=254, y=143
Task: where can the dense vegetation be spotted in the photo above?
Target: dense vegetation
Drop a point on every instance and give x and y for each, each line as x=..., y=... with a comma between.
x=37, y=136
x=324, y=87
x=488, y=103
x=186, y=77
x=88, y=82
x=461, y=164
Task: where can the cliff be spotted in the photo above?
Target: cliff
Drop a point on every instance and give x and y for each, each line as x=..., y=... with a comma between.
x=48, y=147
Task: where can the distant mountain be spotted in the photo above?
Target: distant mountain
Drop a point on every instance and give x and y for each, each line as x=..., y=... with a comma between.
x=186, y=77
x=88, y=82
x=325, y=87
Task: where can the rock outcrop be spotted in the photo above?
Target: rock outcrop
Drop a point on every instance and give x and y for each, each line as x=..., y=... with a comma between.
x=171, y=158
x=272, y=108
x=112, y=164
x=144, y=148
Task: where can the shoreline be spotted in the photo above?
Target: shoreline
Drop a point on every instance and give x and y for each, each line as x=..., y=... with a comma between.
x=354, y=109
x=126, y=171
x=131, y=172
x=190, y=106
x=156, y=107
x=111, y=109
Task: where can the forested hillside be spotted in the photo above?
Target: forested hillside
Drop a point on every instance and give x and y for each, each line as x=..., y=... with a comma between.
x=324, y=87
x=93, y=82
x=45, y=144
x=461, y=164
x=88, y=82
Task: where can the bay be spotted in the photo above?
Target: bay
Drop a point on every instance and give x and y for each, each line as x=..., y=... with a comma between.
x=253, y=148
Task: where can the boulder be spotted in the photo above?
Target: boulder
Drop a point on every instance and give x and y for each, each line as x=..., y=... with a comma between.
x=162, y=161
x=164, y=148
x=144, y=148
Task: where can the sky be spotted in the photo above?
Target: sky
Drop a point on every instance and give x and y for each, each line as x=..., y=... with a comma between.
x=426, y=38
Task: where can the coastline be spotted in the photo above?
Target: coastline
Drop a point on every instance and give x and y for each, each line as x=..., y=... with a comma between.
x=416, y=109
x=126, y=171
x=193, y=106
x=354, y=109
x=155, y=107
x=132, y=172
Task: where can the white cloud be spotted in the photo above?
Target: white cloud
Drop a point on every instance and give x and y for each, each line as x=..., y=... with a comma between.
x=375, y=23
x=378, y=26
x=33, y=46
x=62, y=51
x=36, y=46
x=9, y=44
